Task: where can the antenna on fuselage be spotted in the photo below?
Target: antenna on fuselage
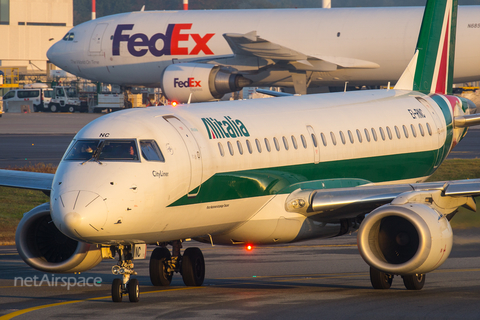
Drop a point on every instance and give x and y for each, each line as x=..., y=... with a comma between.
x=143, y=8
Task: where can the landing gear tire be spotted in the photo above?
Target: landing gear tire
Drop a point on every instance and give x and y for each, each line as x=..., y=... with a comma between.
x=133, y=290
x=193, y=267
x=117, y=290
x=379, y=279
x=414, y=282
x=159, y=276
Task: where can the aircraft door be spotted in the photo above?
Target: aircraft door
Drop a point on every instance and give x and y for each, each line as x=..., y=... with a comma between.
x=96, y=39
x=314, y=140
x=437, y=131
x=196, y=167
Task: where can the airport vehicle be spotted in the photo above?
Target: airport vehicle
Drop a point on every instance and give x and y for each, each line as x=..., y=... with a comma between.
x=66, y=99
x=34, y=96
x=109, y=102
x=200, y=55
x=262, y=171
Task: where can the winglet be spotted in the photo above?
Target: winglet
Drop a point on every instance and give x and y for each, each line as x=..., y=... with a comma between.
x=431, y=69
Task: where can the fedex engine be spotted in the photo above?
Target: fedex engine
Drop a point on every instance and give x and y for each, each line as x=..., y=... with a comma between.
x=196, y=82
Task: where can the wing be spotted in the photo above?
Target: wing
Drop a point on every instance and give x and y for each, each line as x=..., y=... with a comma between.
x=250, y=44
x=345, y=203
x=27, y=180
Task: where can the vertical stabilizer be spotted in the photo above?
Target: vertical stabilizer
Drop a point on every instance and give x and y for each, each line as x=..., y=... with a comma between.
x=431, y=69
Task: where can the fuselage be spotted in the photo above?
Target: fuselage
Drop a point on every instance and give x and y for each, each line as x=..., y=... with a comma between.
x=133, y=49
x=225, y=165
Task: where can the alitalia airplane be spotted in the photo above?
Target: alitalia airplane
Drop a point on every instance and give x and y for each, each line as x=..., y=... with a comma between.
x=202, y=55
x=262, y=171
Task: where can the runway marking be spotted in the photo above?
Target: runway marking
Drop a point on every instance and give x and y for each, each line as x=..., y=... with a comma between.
x=20, y=312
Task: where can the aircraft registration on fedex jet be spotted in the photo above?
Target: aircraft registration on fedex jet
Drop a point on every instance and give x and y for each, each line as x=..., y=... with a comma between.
x=262, y=171
x=202, y=55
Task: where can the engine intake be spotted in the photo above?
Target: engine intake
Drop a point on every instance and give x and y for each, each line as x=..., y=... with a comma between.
x=204, y=82
x=405, y=239
x=43, y=247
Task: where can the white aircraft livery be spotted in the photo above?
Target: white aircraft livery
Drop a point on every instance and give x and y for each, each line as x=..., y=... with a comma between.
x=201, y=55
x=262, y=171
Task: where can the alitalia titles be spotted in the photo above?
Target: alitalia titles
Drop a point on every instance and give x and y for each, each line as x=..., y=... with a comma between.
x=225, y=128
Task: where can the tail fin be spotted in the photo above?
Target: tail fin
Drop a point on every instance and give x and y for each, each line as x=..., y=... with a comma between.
x=431, y=69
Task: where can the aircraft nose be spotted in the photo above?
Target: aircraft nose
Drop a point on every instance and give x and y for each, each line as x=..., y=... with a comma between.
x=79, y=214
x=56, y=53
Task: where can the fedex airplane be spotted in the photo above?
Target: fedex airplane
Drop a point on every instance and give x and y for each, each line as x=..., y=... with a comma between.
x=263, y=171
x=202, y=55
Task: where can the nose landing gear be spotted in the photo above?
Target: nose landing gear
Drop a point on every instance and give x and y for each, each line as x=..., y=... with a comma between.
x=125, y=285
x=163, y=265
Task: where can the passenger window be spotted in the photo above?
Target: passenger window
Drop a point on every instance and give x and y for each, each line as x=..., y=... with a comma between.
x=304, y=141
x=421, y=130
x=350, y=135
x=230, y=148
x=397, y=132
x=277, y=145
x=414, y=132
x=342, y=137
x=249, y=147
x=314, y=139
x=259, y=145
x=334, y=140
x=267, y=144
x=429, y=129
x=285, y=142
x=405, y=131
x=382, y=133
x=151, y=151
x=359, y=135
x=324, y=140
x=220, y=147
x=367, y=134
x=389, y=132
x=240, y=148
x=294, y=142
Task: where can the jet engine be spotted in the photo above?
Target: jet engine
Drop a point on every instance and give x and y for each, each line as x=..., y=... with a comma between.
x=405, y=239
x=204, y=82
x=42, y=246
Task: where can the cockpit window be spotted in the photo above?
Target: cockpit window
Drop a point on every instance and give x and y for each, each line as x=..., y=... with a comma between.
x=151, y=151
x=66, y=37
x=118, y=150
x=103, y=150
x=71, y=36
x=83, y=150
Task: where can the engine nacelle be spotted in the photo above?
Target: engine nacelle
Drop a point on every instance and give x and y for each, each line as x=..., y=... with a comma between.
x=405, y=239
x=205, y=82
x=43, y=247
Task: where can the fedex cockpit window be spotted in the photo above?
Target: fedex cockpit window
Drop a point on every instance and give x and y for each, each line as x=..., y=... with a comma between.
x=69, y=36
x=103, y=150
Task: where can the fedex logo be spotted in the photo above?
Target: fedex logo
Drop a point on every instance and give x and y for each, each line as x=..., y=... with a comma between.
x=168, y=44
x=190, y=83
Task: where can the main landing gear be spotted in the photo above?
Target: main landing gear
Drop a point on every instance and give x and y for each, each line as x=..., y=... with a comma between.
x=190, y=265
x=163, y=265
x=382, y=280
x=125, y=285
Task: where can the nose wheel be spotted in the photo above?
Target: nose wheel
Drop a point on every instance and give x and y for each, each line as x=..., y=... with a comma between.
x=126, y=285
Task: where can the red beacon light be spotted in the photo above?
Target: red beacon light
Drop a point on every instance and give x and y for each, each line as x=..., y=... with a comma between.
x=174, y=103
x=249, y=247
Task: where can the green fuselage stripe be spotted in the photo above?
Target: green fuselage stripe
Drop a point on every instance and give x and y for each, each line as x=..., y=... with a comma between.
x=275, y=180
